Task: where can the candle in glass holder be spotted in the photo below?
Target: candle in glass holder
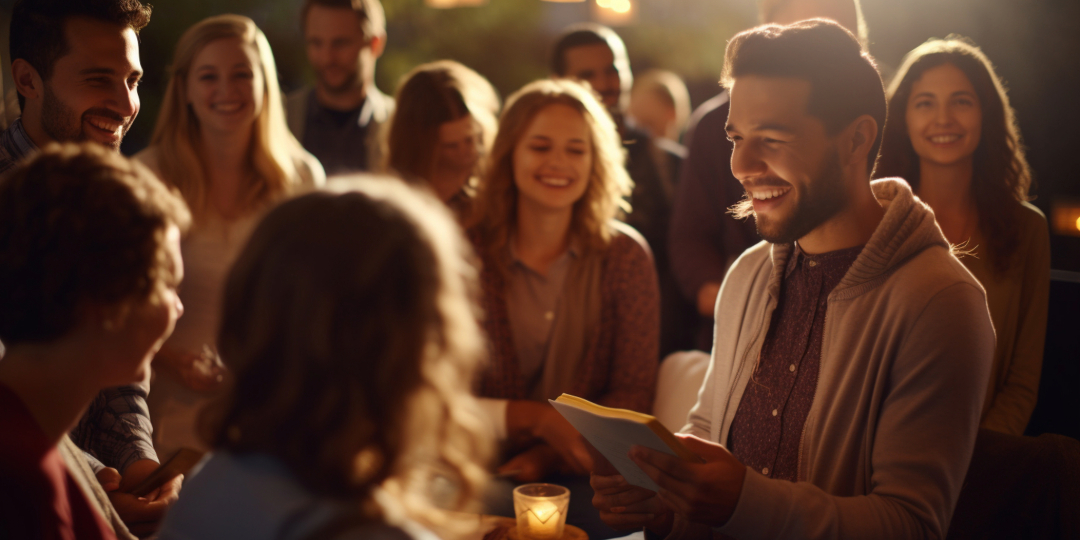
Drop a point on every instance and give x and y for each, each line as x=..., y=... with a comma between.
x=541, y=511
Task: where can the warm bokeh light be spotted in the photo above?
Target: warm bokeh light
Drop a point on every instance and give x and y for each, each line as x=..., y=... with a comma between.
x=1065, y=217
x=1078, y=223
x=606, y=4
x=620, y=6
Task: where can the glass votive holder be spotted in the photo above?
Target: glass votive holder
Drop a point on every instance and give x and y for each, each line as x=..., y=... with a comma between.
x=541, y=511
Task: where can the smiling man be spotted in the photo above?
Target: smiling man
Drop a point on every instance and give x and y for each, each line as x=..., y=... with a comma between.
x=339, y=118
x=76, y=68
x=847, y=373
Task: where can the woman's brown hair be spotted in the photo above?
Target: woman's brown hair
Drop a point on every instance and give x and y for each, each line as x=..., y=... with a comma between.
x=1001, y=173
x=350, y=325
x=495, y=213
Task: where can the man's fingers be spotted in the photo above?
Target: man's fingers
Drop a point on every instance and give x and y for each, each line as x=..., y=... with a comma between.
x=675, y=467
x=109, y=478
x=601, y=482
x=707, y=450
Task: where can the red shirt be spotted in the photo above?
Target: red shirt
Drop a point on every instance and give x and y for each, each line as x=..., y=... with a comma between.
x=39, y=499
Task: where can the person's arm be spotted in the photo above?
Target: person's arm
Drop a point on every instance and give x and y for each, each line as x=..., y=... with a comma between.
x=696, y=237
x=116, y=428
x=633, y=369
x=1012, y=406
x=925, y=436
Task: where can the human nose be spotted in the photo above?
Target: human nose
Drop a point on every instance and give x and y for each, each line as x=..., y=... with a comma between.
x=126, y=101
x=745, y=162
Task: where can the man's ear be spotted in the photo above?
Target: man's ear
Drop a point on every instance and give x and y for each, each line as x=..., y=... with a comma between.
x=27, y=80
x=377, y=44
x=860, y=138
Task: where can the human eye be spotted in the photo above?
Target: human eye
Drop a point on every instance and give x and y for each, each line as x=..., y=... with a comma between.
x=244, y=74
x=208, y=76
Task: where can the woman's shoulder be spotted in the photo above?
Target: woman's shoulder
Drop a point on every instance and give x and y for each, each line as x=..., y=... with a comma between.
x=628, y=243
x=309, y=170
x=1031, y=220
x=150, y=157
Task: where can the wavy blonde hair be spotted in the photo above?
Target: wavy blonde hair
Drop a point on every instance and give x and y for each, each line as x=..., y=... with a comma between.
x=353, y=354
x=274, y=152
x=495, y=213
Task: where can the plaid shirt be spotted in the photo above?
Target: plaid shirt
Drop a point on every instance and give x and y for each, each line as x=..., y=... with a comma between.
x=15, y=146
x=115, y=431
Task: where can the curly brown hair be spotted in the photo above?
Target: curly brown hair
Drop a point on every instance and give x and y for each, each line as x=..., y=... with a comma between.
x=79, y=224
x=353, y=354
x=1002, y=176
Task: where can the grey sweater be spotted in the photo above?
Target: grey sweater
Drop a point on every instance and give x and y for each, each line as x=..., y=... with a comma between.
x=905, y=361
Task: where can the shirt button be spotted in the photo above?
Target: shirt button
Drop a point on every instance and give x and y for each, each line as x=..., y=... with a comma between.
x=791, y=367
x=765, y=471
x=812, y=263
x=774, y=412
x=549, y=315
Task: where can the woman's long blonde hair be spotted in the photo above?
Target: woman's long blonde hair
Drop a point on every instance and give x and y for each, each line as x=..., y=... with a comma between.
x=496, y=204
x=273, y=152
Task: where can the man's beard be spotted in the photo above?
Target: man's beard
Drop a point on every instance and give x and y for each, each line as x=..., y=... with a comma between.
x=348, y=83
x=63, y=124
x=824, y=198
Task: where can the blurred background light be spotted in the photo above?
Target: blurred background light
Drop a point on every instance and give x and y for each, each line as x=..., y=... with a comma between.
x=615, y=12
x=444, y=4
x=1065, y=217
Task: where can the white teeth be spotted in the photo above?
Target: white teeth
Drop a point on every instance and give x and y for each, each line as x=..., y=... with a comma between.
x=944, y=139
x=768, y=193
x=555, y=181
x=103, y=124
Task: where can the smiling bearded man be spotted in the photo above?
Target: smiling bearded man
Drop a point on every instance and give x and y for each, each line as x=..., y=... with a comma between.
x=852, y=349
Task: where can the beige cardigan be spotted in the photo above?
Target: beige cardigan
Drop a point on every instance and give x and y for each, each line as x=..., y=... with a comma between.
x=905, y=359
x=1018, y=301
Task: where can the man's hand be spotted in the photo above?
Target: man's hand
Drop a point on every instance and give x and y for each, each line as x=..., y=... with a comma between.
x=706, y=298
x=542, y=421
x=203, y=372
x=703, y=493
x=142, y=515
x=531, y=465
x=624, y=507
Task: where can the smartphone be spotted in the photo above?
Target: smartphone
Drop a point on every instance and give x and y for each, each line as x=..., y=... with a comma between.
x=180, y=463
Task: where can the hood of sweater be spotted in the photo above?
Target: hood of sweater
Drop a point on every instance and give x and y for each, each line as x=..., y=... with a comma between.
x=907, y=228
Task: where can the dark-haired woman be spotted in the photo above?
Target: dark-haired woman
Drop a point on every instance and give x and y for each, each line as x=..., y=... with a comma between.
x=443, y=124
x=952, y=134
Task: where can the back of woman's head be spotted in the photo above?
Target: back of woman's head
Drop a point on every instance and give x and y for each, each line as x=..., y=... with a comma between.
x=496, y=206
x=177, y=136
x=79, y=225
x=429, y=96
x=1001, y=175
x=349, y=324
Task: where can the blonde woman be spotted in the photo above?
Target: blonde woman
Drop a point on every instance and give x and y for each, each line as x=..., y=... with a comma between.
x=443, y=124
x=221, y=139
x=570, y=294
x=353, y=356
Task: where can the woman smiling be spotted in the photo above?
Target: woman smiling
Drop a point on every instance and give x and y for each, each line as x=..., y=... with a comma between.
x=952, y=134
x=222, y=141
x=571, y=295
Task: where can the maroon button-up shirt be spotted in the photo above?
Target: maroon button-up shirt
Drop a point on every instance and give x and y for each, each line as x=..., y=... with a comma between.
x=768, y=424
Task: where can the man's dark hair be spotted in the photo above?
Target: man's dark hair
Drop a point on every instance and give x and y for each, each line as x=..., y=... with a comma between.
x=579, y=35
x=372, y=17
x=38, y=31
x=844, y=81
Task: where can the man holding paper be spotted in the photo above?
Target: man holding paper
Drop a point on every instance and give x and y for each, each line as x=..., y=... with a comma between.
x=851, y=349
